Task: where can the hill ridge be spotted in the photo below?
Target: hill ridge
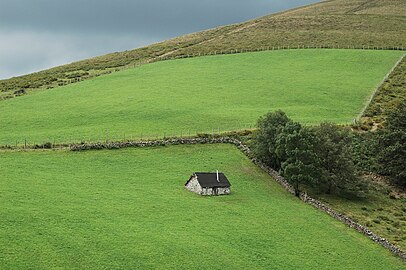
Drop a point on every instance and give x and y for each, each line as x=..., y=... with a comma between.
x=327, y=23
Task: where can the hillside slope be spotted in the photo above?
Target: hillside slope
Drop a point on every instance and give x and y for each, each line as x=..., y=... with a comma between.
x=128, y=209
x=331, y=23
x=222, y=92
x=388, y=97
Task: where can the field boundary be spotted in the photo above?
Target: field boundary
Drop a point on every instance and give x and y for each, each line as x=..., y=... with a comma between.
x=274, y=174
x=371, y=98
x=26, y=143
x=172, y=55
x=166, y=56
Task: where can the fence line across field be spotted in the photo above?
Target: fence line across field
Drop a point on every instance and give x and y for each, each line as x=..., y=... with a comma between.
x=173, y=56
x=372, y=96
x=27, y=143
x=267, y=48
x=117, y=136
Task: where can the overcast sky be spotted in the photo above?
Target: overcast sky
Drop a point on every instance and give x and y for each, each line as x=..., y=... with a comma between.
x=38, y=34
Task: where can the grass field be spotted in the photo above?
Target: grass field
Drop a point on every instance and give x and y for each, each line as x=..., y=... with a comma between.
x=329, y=23
x=388, y=97
x=226, y=92
x=380, y=213
x=128, y=209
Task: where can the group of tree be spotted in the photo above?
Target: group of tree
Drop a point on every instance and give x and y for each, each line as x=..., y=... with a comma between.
x=392, y=146
x=384, y=151
x=318, y=157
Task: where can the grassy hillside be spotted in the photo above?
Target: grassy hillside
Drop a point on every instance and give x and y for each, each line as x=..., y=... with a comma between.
x=331, y=23
x=198, y=94
x=121, y=210
x=380, y=211
x=390, y=94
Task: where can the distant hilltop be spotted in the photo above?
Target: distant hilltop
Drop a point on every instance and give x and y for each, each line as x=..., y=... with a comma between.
x=332, y=23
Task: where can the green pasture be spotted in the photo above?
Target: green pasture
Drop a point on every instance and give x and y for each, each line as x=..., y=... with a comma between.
x=128, y=209
x=227, y=92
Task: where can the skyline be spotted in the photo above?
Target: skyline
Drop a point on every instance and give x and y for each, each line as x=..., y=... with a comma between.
x=44, y=34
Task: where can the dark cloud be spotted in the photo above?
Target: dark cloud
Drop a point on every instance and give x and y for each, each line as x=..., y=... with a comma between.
x=22, y=52
x=42, y=33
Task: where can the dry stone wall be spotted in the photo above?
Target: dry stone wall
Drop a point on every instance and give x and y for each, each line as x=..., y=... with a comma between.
x=274, y=174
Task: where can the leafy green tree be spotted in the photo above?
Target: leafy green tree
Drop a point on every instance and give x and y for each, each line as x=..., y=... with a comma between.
x=281, y=140
x=365, y=151
x=305, y=156
x=338, y=172
x=301, y=166
x=393, y=146
x=269, y=126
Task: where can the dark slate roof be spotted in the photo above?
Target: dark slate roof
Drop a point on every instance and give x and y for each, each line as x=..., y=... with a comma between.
x=209, y=180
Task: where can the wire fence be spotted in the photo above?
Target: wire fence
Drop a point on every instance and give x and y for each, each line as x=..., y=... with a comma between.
x=178, y=54
x=174, y=55
x=371, y=98
x=63, y=141
x=48, y=142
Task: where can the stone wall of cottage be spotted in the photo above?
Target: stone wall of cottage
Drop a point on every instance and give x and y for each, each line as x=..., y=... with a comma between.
x=194, y=186
x=210, y=191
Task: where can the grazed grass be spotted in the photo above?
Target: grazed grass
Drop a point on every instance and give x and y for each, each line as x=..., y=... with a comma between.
x=201, y=94
x=330, y=23
x=382, y=214
x=127, y=209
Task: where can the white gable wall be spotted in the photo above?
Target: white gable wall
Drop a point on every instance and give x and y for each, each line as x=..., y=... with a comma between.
x=194, y=185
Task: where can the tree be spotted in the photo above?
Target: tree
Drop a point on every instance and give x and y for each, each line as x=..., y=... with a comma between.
x=281, y=140
x=306, y=156
x=301, y=166
x=269, y=126
x=393, y=146
x=338, y=172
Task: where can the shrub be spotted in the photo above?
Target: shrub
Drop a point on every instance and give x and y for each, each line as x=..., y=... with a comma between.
x=377, y=220
x=393, y=146
x=46, y=145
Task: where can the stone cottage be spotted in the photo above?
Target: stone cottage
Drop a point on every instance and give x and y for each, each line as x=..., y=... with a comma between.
x=208, y=184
